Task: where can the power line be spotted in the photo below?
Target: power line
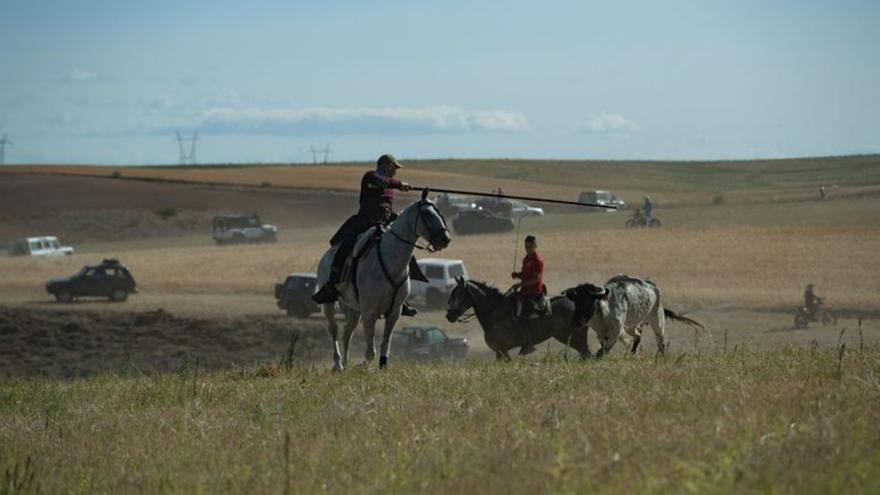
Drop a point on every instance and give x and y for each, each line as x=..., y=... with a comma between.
x=3, y=143
x=187, y=157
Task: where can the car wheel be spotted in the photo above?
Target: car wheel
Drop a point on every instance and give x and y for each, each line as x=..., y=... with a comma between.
x=63, y=296
x=119, y=295
x=829, y=319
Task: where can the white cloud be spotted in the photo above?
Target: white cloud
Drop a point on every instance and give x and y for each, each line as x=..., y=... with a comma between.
x=79, y=75
x=607, y=123
x=367, y=120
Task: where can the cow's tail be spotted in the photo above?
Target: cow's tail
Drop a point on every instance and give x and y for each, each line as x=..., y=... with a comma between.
x=672, y=315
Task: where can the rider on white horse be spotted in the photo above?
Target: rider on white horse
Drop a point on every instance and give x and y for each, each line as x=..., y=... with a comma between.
x=376, y=200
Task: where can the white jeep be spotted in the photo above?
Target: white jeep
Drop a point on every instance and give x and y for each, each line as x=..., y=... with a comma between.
x=39, y=246
x=441, y=275
x=240, y=229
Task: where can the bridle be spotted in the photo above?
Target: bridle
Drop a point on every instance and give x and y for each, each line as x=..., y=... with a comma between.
x=429, y=247
x=466, y=317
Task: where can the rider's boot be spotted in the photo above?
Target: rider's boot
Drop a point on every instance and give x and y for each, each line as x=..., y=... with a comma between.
x=408, y=310
x=328, y=292
x=520, y=314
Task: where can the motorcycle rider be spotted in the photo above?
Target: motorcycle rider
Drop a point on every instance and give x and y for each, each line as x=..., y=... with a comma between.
x=812, y=302
x=647, y=208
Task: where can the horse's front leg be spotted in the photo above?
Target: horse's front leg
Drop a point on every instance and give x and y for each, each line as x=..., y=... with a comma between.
x=385, y=347
x=332, y=329
x=352, y=318
x=369, y=333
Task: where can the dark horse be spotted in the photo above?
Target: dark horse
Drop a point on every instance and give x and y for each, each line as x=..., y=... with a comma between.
x=504, y=331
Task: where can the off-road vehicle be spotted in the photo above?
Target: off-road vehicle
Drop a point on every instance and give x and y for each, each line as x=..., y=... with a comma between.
x=108, y=279
x=294, y=295
x=606, y=198
x=39, y=246
x=424, y=343
x=441, y=274
x=241, y=229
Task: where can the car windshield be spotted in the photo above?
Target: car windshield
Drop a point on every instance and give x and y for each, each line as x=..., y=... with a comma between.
x=301, y=283
x=456, y=270
x=434, y=271
x=436, y=336
x=82, y=271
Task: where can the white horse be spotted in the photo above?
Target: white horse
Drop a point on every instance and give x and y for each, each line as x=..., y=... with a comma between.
x=382, y=282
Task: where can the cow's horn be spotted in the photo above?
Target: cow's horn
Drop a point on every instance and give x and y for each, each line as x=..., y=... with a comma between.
x=598, y=291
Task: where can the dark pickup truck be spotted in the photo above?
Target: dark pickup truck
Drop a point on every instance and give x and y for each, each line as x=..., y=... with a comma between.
x=108, y=279
x=425, y=343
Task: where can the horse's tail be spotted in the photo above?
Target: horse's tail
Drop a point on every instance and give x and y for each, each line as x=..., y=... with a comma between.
x=672, y=315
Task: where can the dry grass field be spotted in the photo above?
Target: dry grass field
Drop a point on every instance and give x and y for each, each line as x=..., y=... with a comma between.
x=756, y=407
x=793, y=420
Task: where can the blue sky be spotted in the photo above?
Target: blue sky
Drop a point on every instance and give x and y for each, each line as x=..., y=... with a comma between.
x=262, y=81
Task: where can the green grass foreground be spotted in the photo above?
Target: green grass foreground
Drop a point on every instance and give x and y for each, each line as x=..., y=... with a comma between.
x=790, y=420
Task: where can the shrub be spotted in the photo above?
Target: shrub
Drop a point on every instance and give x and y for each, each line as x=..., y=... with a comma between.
x=166, y=213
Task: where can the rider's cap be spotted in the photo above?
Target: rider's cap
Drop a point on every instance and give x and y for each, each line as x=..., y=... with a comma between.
x=530, y=238
x=388, y=159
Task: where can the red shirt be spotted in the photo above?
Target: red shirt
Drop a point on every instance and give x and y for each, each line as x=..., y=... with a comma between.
x=533, y=264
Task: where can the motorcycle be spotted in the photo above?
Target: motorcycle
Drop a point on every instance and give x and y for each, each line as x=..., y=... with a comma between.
x=638, y=219
x=819, y=315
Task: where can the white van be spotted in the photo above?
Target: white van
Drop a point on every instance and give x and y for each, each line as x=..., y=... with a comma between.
x=441, y=275
x=39, y=246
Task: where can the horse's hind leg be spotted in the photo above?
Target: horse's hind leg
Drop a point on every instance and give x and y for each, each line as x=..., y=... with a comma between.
x=332, y=329
x=352, y=318
x=578, y=340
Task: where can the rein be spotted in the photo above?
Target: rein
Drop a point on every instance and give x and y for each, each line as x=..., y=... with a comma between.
x=429, y=248
x=395, y=285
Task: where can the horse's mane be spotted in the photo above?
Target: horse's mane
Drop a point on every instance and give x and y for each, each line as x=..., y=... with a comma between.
x=486, y=287
x=491, y=290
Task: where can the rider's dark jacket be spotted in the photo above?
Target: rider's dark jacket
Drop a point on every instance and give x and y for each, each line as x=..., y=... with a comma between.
x=377, y=196
x=376, y=201
x=810, y=299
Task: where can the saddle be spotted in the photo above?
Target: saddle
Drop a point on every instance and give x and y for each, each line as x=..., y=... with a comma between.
x=366, y=241
x=529, y=309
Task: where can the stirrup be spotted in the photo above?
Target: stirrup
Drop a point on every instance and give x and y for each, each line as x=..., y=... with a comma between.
x=326, y=295
x=407, y=310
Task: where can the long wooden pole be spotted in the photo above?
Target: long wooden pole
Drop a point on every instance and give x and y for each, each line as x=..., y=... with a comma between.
x=523, y=198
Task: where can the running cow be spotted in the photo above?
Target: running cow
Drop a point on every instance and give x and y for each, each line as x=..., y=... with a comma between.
x=624, y=304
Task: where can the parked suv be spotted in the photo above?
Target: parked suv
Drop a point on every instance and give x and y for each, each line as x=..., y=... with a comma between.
x=441, y=275
x=39, y=246
x=424, y=343
x=108, y=279
x=601, y=198
x=294, y=295
x=240, y=229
